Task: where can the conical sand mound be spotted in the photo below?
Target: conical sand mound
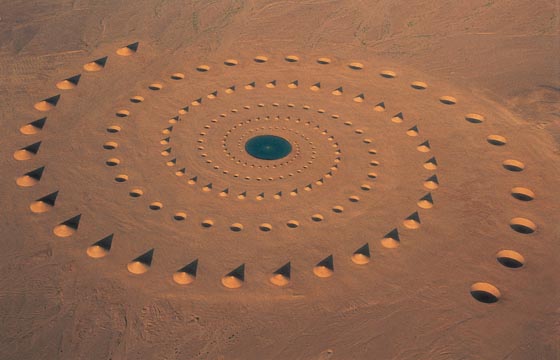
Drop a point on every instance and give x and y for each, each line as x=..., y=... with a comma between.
x=282, y=276
x=100, y=248
x=187, y=274
x=362, y=255
x=67, y=228
x=235, y=278
x=141, y=264
x=325, y=267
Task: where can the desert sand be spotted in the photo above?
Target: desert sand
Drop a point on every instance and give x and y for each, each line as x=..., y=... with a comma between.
x=416, y=215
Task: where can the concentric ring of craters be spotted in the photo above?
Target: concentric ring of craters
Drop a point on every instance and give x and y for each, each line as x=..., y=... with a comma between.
x=361, y=178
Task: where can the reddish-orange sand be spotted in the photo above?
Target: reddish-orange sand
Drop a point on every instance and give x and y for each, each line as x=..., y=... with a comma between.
x=416, y=216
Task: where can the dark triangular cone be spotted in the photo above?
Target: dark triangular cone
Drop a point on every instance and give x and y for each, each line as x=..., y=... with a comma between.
x=238, y=272
x=190, y=268
x=285, y=270
x=166, y=140
x=37, y=173
x=172, y=162
x=261, y=195
x=74, y=79
x=39, y=124
x=176, y=118
x=426, y=144
x=133, y=46
x=294, y=83
x=431, y=163
x=414, y=217
x=53, y=100
x=380, y=106
x=169, y=128
x=232, y=88
x=181, y=172
x=49, y=199
x=359, y=97
x=105, y=243
x=145, y=258
x=209, y=186
x=33, y=148
x=399, y=116
x=414, y=129
x=316, y=86
x=393, y=234
x=214, y=94
x=193, y=179
x=251, y=84
x=364, y=250
x=433, y=178
x=185, y=109
x=327, y=262
x=427, y=197
x=431, y=183
x=338, y=90
x=73, y=222
x=101, y=61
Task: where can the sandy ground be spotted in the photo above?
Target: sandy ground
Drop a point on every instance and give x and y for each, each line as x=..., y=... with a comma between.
x=416, y=217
